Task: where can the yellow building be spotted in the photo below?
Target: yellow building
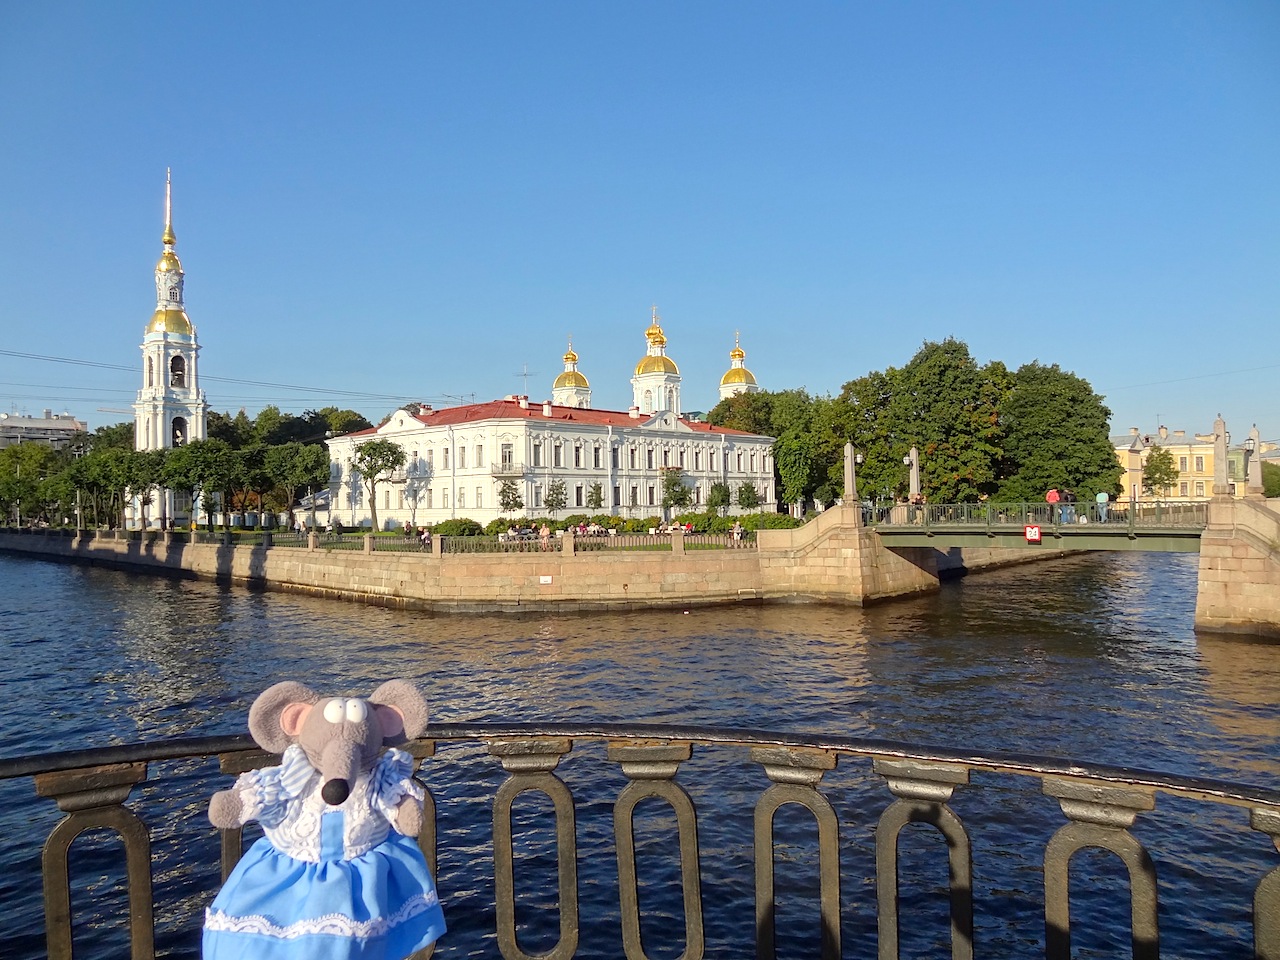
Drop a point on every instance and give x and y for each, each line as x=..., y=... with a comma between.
x=1193, y=456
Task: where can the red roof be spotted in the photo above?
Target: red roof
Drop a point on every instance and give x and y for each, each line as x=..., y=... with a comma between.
x=511, y=410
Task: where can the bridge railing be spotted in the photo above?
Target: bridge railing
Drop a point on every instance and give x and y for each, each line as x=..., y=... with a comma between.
x=1162, y=515
x=777, y=777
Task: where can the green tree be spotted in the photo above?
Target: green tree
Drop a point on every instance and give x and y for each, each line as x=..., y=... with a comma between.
x=675, y=492
x=1159, y=471
x=752, y=412
x=748, y=496
x=556, y=498
x=339, y=421
x=719, y=496
x=144, y=473
x=509, y=498
x=23, y=468
x=595, y=496
x=376, y=460
x=119, y=436
x=1055, y=431
x=293, y=466
x=1271, y=480
x=203, y=467
x=948, y=407
x=795, y=467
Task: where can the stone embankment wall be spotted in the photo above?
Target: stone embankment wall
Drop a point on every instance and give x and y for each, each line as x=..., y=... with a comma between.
x=1240, y=568
x=830, y=560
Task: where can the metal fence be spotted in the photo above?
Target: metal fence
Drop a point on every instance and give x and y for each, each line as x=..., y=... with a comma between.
x=1125, y=515
x=1098, y=808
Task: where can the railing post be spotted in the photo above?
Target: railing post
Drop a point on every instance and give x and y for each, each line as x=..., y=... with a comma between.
x=368, y=543
x=651, y=768
x=677, y=541
x=1266, y=899
x=312, y=542
x=1100, y=817
x=566, y=543
x=94, y=797
x=923, y=790
x=530, y=763
x=795, y=772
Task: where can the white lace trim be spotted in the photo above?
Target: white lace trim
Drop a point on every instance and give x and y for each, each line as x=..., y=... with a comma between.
x=333, y=924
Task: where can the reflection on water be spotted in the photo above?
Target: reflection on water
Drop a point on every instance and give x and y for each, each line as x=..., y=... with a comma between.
x=1091, y=658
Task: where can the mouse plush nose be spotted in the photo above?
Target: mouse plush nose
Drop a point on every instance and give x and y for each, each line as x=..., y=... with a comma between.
x=340, y=766
x=335, y=792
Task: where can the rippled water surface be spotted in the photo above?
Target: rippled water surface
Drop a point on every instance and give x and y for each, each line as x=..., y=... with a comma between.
x=1091, y=658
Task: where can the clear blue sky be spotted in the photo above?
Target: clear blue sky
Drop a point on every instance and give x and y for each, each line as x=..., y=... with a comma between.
x=418, y=201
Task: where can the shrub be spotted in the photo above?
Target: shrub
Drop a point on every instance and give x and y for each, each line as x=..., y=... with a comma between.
x=769, y=521
x=459, y=527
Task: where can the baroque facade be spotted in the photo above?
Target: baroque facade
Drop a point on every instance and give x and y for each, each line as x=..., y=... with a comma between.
x=610, y=462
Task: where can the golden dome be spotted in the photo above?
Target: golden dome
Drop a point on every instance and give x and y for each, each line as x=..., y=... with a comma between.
x=655, y=335
x=657, y=365
x=170, y=321
x=571, y=378
x=738, y=375
x=168, y=263
x=570, y=356
x=737, y=353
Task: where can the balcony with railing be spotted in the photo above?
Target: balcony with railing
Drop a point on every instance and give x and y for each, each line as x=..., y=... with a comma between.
x=563, y=840
x=507, y=468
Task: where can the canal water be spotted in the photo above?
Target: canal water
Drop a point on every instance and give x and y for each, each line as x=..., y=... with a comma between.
x=1091, y=659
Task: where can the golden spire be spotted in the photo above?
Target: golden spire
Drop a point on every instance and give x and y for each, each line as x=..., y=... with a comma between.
x=654, y=334
x=571, y=357
x=168, y=239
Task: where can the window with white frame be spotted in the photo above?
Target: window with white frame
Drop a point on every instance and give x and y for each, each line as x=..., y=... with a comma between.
x=479, y=498
x=648, y=458
x=632, y=457
x=577, y=457
x=595, y=456
x=444, y=498
x=1199, y=464
x=617, y=495
x=462, y=463
x=537, y=453
x=462, y=497
x=577, y=495
x=537, y=496
x=444, y=459
x=557, y=456
x=479, y=456
x=652, y=501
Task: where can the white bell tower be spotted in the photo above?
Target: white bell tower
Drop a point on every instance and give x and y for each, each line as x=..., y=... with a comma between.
x=170, y=409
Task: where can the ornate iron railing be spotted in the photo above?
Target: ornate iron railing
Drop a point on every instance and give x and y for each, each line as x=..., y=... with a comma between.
x=1116, y=517
x=1100, y=804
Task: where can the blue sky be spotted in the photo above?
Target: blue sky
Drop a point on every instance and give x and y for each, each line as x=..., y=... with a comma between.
x=421, y=201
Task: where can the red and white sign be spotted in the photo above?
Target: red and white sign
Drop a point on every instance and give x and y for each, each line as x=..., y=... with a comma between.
x=1032, y=533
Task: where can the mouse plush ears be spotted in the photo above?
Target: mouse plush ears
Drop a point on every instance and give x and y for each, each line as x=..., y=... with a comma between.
x=278, y=713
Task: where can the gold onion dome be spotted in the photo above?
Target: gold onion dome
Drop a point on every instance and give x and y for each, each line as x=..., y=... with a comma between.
x=661, y=364
x=655, y=335
x=570, y=378
x=737, y=353
x=169, y=263
x=570, y=356
x=738, y=375
x=170, y=321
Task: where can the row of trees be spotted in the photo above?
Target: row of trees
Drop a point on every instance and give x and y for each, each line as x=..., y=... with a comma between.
x=676, y=494
x=981, y=431
x=269, y=460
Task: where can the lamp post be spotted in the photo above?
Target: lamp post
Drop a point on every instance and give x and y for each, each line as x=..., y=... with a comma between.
x=1252, y=465
x=912, y=461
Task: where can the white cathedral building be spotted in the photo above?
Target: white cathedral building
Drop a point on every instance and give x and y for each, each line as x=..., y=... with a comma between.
x=460, y=457
x=170, y=409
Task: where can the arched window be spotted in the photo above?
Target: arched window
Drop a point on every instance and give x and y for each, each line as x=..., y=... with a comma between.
x=179, y=431
x=648, y=401
x=177, y=372
x=151, y=372
x=671, y=399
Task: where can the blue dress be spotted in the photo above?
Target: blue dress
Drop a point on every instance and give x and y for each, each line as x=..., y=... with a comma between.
x=325, y=883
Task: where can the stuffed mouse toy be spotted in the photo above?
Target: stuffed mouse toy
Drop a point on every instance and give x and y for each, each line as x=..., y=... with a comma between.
x=338, y=875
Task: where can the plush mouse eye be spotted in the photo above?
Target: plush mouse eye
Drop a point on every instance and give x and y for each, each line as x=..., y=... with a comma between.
x=333, y=711
x=356, y=711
